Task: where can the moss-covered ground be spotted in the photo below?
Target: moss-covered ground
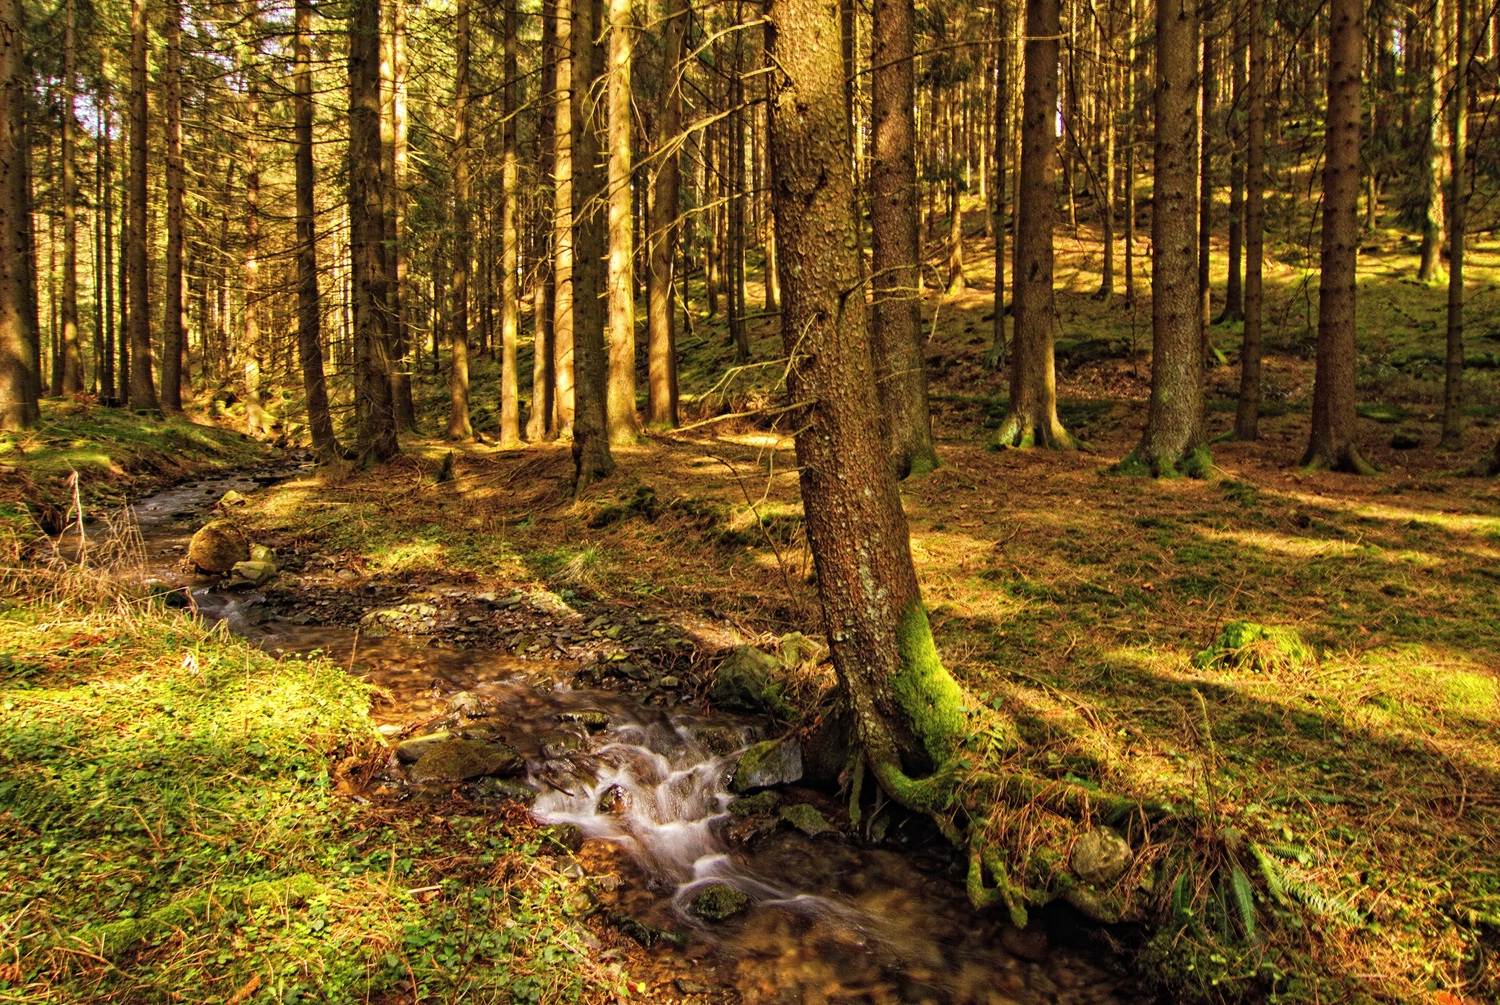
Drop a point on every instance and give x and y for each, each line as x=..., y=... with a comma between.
x=1367, y=769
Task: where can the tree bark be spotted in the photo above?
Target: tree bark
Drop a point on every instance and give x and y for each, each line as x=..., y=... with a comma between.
x=72, y=371
x=1131, y=133
x=1247, y=414
x=257, y=423
x=1234, y=292
x=896, y=319
x=564, y=322
x=174, y=327
x=1430, y=266
x=591, y=454
x=19, y=379
x=541, y=424
x=108, y=388
x=624, y=425
x=1331, y=444
x=142, y=383
x=661, y=402
x=398, y=263
x=309, y=303
x=375, y=420
x=1173, y=442
x=1107, y=140
x=1031, y=418
x=459, y=427
x=1458, y=202
x=1206, y=197
x=510, y=241
x=1004, y=112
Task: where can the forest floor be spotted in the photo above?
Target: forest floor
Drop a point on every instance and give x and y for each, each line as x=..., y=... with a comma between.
x=1074, y=599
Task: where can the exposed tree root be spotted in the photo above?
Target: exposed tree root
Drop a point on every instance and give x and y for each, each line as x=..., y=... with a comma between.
x=1347, y=460
x=1024, y=430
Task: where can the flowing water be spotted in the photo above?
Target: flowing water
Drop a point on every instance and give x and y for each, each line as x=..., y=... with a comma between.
x=836, y=917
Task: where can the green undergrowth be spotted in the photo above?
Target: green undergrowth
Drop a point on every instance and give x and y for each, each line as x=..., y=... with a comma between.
x=171, y=829
x=118, y=454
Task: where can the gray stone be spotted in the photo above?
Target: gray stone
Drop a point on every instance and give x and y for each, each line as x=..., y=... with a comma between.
x=410, y=750
x=766, y=764
x=408, y=619
x=254, y=573
x=460, y=760
x=1101, y=856
x=747, y=682
x=806, y=818
x=217, y=547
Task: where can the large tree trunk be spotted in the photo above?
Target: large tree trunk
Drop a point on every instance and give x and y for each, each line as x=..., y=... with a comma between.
x=564, y=322
x=896, y=321
x=19, y=380
x=1173, y=442
x=661, y=401
x=541, y=424
x=624, y=425
x=459, y=427
x=142, y=384
x=591, y=455
x=1332, y=444
x=1458, y=202
x=510, y=240
x=1247, y=415
x=257, y=423
x=1206, y=196
x=309, y=303
x=1031, y=419
x=72, y=361
x=1004, y=112
x=398, y=258
x=375, y=420
x=1430, y=266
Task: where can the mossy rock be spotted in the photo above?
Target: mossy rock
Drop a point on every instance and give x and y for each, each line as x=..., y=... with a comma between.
x=218, y=546
x=806, y=818
x=762, y=802
x=719, y=902
x=1250, y=646
x=748, y=681
x=767, y=764
x=460, y=760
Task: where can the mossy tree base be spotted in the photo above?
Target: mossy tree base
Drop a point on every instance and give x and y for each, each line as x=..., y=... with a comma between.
x=1347, y=460
x=1196, y=463
x=1025, y=430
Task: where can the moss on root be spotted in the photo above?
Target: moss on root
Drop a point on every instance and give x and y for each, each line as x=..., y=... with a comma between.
x=1023, y=432
x=1196, y=463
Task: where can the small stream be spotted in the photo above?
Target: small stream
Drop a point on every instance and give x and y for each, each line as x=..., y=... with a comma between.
x=833, y=917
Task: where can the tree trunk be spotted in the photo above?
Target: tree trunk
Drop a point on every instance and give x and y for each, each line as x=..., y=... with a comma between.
x=510, y=242
x=1031, y=419
x=1247, y=415
x=1107, y=115
x=1004, y=100
x=142, y=384
x=257, y=423
x=564, y=322
x=1234, y=294
x=1331, y=444
x=661, y=402
x=1131, y=134
x=174, y=308
x=956, y=282
x=459, y=427
x=542, y=422
x=1173, y=442
x=624, y=425
x=906, y=706
x=591, y=455
x=1458, y=200
x=108, y=388
x=72, y=371
x=896, y=321
x=398, y=264
x=19, y=379
x=375, y=420
x=309, y=303
x=736, y=178
x=1206, y=197
x=1430, y=267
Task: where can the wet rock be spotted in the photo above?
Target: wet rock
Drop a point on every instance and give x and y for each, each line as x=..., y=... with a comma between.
x=589, y=719
x=468, y=704
x=747, y=682
x=560, y=743
x=687, y=987
x=505, y=788
x=716, y=739
x=806, y=818
x=766, y=764
x=410, y=751
x=1101, y=856
x=644, y=934
x=217, y=547
x=567, y=836
x=748, y=829
x=1029, y=943
x=254, y=573
x=670, y=682
x=797, y=650
x=456, y=760
x=407, y=619
x=719, y=902
x=615, y=801
x=762, y=802
x=231, y=498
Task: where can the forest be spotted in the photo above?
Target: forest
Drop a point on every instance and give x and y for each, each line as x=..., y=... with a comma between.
x=750, y=501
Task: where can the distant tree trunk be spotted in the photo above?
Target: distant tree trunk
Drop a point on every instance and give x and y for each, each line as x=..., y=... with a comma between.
x=257, y=423
x=1234, y=294
x=624, y=425
x=591, y=455
x=738, y=334
x=398, y=256
x=510, y=240
x=108, y=389
x=174, y=326
x=661, y=402
x=19, y=379
x=1107, y=115
x=1031, y=419
x=541, y=424
x=1206, y=197
x=1331, y=444
x=565, y=323
x=1430, y=266
x=896, y=321
x=1173, y=442
x=142, y=384
x=905, y=704
x=1458, y=199
x=458, y=372
x=956, y=282
x=1004, y=112
x=72, y=373
x=1131, y=134
x=375, y=420
x=1247, y=416
x=309, y=304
